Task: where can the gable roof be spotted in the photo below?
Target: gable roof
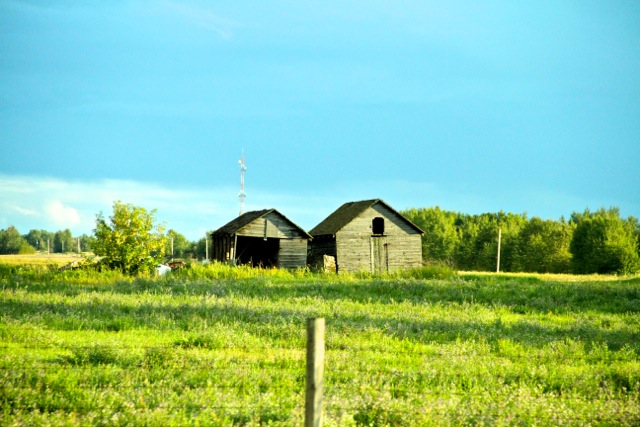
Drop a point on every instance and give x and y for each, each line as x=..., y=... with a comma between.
x=247, y=218
x=348, y=212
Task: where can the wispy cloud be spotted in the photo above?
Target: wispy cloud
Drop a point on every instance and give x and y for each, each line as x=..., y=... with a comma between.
x=29, y=202
x=53, y=203
x=24, y=211
x=202, y=17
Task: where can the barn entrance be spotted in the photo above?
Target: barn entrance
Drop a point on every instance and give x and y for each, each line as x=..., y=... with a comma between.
x=257, y=251
x=379, y=254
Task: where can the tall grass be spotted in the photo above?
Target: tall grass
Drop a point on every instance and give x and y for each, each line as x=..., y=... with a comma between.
x=217, y=345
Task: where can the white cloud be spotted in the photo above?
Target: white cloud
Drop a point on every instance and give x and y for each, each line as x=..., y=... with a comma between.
x=191, y=211
x=61, y=215
x=53, y=204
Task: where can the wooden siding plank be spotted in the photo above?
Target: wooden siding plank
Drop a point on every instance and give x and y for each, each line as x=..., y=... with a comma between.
x=271, y=226
x=354, y=247
x=292, y=253
x=320, y=247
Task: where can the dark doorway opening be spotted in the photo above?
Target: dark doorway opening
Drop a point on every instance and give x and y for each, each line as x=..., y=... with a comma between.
x=257, y=251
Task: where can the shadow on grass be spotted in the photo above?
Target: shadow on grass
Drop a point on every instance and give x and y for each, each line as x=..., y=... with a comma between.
x=521, y=295
x=280, y=325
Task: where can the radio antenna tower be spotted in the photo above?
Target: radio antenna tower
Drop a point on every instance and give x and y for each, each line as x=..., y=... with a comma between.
x=242, y=194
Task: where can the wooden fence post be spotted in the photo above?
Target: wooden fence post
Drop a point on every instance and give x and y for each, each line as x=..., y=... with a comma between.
x=315, y=373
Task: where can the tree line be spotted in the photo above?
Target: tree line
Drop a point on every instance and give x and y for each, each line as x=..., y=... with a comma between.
x=599, y=242
x=589, y=242
x=62, y=241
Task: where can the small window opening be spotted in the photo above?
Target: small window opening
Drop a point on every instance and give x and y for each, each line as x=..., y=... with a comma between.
x=377, y=225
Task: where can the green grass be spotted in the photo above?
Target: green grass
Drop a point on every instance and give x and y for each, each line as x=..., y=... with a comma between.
x=215, y=345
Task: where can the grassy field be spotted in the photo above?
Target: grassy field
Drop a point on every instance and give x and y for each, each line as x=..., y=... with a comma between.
x=214, y=345
x=39, y=260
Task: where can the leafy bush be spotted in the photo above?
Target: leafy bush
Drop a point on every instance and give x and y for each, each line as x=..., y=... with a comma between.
x=131, y=242
x=26, y=248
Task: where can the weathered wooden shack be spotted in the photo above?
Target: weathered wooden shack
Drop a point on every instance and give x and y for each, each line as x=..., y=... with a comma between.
x=261, y=238
x=366, y=236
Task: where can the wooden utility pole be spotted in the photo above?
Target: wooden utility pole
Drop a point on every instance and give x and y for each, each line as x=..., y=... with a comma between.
x=315, y=373
x=499, y=239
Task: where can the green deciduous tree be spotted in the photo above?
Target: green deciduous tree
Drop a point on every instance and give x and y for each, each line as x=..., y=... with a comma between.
x=440, y=237
x=34, y=238
x=604, y=243
x=130, y=241
x=485, y=244
x=478, y=246
x=86, y=242
x=63, y=242
x=590, y=242
x=42, y=240
x=543, y=247
x=11, y=242
x=182, y=248
x=203, y=246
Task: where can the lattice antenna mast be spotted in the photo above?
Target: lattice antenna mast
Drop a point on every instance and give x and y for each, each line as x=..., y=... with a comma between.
x=242, y=195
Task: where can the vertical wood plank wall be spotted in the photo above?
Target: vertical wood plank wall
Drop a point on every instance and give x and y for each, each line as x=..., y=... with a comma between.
x=292, y=253
x=292, y=247
x=351, y=247
x=320, y=246
x=353, y=242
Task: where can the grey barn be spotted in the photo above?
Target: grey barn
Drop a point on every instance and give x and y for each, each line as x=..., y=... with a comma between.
x=368, y=235
x=261, y=238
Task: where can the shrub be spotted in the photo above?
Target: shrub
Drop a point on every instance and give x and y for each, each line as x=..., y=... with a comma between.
x=97, y=354
x=158, y=357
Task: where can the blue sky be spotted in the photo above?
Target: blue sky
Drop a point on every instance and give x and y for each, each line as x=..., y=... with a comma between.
x=471, y=106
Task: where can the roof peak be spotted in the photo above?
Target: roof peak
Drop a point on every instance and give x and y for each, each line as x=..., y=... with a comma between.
x=246, y=218
x=347, y=212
